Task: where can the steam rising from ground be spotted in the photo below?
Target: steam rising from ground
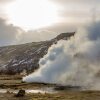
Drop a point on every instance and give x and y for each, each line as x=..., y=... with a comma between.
x=72, y=62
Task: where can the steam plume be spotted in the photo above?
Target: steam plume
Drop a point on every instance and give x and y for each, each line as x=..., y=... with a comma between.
x=75, y=61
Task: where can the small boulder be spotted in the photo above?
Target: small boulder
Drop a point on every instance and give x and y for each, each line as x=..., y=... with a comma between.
x=20, y=93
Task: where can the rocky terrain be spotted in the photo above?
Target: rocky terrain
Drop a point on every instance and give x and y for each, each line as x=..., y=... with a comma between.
x=25, y=57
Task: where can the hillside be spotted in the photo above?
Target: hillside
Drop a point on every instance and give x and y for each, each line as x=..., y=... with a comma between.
x=14, y=59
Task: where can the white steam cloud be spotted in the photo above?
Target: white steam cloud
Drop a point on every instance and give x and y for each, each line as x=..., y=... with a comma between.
x=72, y=62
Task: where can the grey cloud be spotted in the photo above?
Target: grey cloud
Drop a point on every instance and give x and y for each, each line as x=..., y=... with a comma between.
x=64, y=27
x=8, y=33
x=78, y=9
x=77, y=4
x=36, y=35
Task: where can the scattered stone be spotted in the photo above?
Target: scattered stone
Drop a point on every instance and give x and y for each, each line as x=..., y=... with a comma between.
x=20, y=93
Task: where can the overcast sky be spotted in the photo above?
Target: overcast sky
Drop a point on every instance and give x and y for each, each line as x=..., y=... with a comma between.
x=71, y=13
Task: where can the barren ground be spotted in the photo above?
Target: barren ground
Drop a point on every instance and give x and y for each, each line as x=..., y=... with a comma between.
x=14, y=82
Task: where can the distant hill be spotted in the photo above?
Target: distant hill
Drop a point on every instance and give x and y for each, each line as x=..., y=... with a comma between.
x=14, y=59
